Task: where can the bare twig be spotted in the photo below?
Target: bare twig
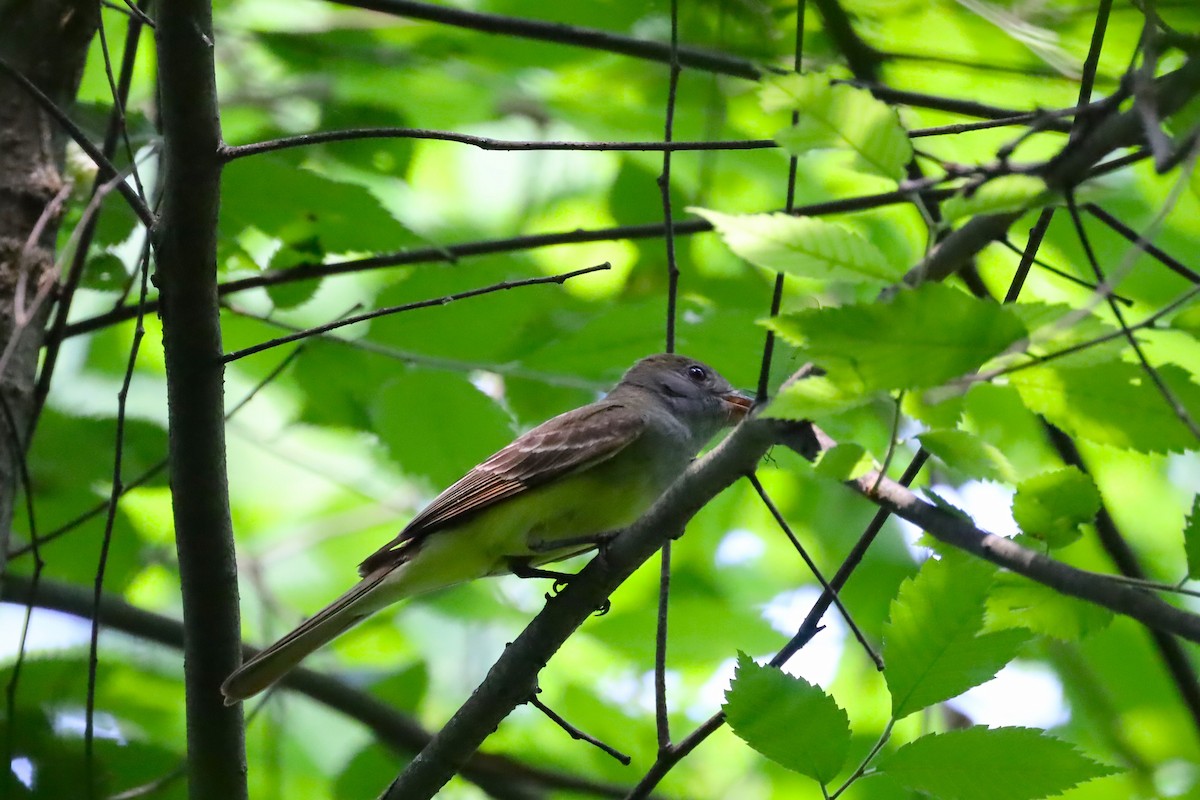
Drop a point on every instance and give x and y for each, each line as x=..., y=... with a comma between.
x=815, y=570
x=102, y=562
x=382, y=312
x=1168, y=395
x=232, y=152
x=575, y=733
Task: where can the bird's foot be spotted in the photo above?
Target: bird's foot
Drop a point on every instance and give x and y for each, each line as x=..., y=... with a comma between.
x=523, y=569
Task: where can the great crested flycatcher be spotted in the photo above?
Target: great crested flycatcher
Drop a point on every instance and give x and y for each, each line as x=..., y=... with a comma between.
x=549, y=495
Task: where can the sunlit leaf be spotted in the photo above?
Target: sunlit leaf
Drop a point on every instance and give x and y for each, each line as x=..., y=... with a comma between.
x=933, y=643
x=990, y=764
x=841, y=116
x=802, y=246
x=920, y=338
x=788, y=720
x=1191, y=540
x=1115, y=403
x=1053, y=505
x=1003, y=194
x=1017, y=602
x=966, y=453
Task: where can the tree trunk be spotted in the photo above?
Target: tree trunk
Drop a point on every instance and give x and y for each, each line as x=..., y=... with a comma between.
x=47, y=42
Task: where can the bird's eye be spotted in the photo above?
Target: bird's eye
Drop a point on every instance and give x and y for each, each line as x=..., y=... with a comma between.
x=697, y=373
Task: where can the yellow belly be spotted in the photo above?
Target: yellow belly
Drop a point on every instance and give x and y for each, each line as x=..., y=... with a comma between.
x=606, y=497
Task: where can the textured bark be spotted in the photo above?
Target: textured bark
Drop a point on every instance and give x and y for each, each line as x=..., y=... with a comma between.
x=186, y=243
x=47, y=42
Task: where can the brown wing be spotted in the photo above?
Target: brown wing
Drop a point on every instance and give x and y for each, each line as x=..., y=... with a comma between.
x=570, y=442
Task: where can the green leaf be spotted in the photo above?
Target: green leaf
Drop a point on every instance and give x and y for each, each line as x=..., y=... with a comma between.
x=802, y=246
x=920, y=338
x=990, y=764
x=343, y=217
x=1053, y=505
x=104, y=272
x=839, y=116
x=1191, y=540
x=844, y=462
x=370, y=768
x=1017, y=602
x=1115, y=404
x=968, y=454
x=410, y=415
x=817, y=396
x=932, y=643
x=788, y=720
x=1003, y=194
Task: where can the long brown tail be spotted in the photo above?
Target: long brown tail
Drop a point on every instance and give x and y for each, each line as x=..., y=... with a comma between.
x=271, y=664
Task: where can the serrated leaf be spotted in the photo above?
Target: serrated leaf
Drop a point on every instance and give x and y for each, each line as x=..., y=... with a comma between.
x=1017, y=602
x=920, y=338
x=1003, y=194
x=968, y=454
x=932, y=643
x=1115, y=404
x=990, y=764
x=1191, y=540
x=839, y=116
x=788, y=720
x=1053, y=505
x=817, y=396
x=802, y=246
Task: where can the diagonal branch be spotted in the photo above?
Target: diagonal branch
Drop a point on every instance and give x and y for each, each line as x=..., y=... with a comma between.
x=513, y=677
x=1067, y=169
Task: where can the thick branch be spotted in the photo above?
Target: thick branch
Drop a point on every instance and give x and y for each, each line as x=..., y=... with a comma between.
x=945, y=527
x=187, y=281
x=513, y=678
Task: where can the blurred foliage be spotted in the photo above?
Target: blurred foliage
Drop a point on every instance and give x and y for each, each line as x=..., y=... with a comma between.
x=334, y=456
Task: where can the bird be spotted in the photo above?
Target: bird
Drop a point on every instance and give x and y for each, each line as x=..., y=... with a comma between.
x=554, y=492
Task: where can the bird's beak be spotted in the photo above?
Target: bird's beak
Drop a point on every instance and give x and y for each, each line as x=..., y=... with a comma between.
x=738, y=405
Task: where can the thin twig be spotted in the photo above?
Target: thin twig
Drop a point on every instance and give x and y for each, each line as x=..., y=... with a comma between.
x=661, y=719
x=664, y=181
x=35, y=542
x=866, y=762
x=454, y=253
x=575, y=733
x=102, y=562
x=764, y=372
x=381, y=312
x=157, y=468
x=815, y=570
x=1165, y=258
x=1029, y=256
x=1172, y=400
x=233, y=152
x=87, y=226
x=809, y=628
